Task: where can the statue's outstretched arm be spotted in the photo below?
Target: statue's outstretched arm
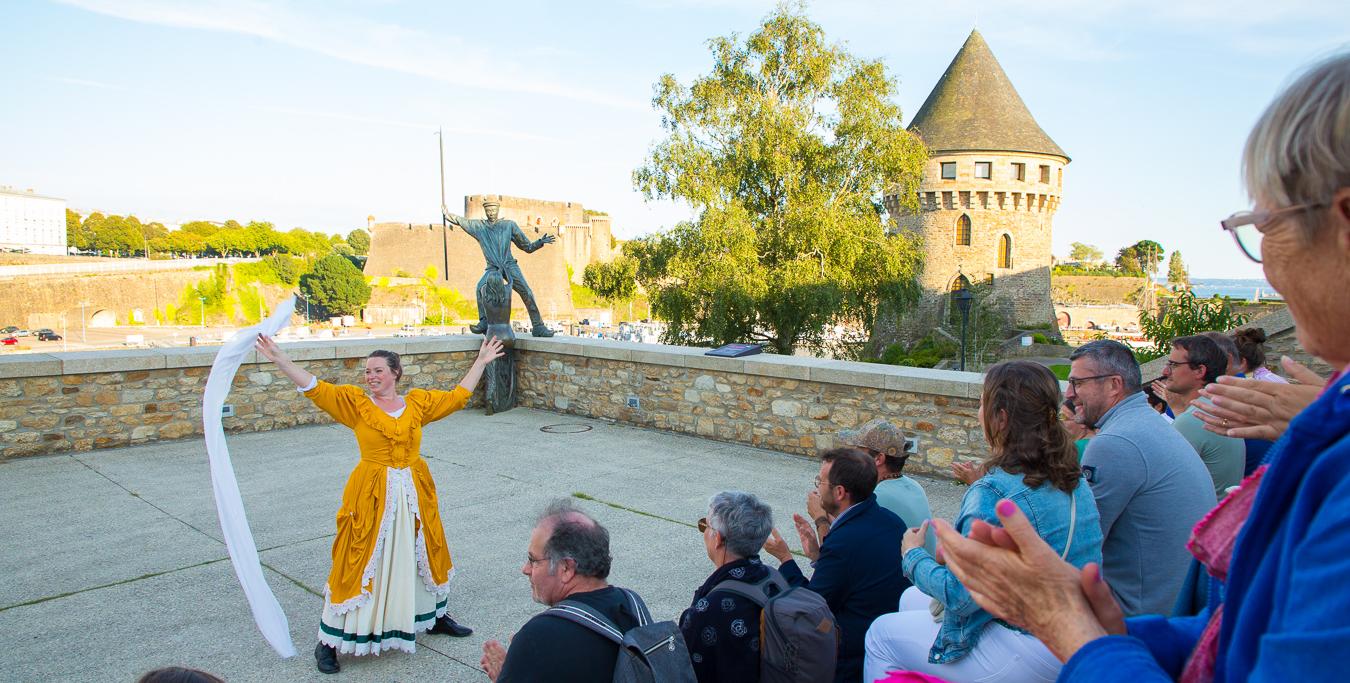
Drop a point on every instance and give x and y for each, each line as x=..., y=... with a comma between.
x=525, y=245
x=451, y=218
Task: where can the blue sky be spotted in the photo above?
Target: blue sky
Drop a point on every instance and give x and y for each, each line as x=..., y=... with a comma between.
x=319, y=113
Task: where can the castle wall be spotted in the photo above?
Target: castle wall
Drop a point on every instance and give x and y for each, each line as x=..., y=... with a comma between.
x=537, y=212
x=403, y=247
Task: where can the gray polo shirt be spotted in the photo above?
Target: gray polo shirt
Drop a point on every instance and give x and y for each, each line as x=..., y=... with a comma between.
x=1151, y=489
x=1224, y=456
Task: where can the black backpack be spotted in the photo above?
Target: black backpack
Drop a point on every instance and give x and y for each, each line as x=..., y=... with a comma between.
x=651, y=652
x=798, y=639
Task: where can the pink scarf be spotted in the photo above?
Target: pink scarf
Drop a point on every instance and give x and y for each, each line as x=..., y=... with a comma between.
x=1212, y=542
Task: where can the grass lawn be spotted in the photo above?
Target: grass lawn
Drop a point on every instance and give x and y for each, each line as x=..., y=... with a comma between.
x=1061, y=371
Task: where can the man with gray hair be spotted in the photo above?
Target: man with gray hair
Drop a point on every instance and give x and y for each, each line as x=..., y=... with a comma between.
x=567, y=559
x=1150, y=487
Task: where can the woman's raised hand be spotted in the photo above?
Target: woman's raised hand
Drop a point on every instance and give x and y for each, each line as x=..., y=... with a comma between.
x=268, y=348
x=490, y=350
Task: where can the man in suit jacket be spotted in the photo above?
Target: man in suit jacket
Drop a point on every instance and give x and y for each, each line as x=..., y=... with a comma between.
x=857, y=565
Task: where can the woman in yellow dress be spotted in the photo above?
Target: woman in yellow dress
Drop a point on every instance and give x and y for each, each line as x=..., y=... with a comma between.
x=391, y=567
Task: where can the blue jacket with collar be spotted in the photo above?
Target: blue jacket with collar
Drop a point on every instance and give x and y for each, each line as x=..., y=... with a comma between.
x=1287, y=601
x=858, y=574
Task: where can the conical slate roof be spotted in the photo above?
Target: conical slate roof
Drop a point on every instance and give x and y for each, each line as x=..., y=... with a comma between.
x=974, y=107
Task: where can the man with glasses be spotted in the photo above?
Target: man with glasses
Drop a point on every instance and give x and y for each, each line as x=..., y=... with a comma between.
x=1150, y=487
x=1195, y=362
x=857, y=566
x=567, y=559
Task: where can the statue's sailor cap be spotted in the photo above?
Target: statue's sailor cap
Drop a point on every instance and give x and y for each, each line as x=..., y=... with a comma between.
x=491, y=202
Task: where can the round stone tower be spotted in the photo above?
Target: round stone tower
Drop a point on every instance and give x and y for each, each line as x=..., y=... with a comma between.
x=988, y=195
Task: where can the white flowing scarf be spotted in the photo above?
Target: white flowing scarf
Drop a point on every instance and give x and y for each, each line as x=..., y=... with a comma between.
x=267, y=611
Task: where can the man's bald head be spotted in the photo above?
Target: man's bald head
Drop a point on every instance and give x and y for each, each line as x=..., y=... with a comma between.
x=574, y=535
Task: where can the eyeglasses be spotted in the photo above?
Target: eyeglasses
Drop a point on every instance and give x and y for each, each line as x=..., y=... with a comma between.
x=1074, y=382
x=532, y=561
x=703, y=525
x=1173, y=364
x=1248, y=227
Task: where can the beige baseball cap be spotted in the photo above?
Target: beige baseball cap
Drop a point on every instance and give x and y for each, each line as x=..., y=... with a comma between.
x=878, y=435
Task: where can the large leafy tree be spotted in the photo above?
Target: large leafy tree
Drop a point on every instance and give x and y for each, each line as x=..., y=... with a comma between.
x=614, y=281
x=784, y=150
x=335, y=286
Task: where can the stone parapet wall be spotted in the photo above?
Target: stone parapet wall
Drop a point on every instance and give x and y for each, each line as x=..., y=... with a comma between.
x=83, y=401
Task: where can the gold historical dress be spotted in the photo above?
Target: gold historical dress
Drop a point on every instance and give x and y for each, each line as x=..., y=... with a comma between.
x=391, y=567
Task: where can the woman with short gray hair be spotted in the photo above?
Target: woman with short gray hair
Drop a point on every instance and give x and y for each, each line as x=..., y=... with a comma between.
x=1283, y=553
x=722, y=628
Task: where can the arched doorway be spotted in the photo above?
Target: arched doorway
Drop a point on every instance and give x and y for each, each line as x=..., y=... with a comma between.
x=103, y=318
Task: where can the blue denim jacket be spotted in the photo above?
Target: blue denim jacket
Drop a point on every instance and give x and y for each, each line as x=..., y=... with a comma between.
x=1048, y=510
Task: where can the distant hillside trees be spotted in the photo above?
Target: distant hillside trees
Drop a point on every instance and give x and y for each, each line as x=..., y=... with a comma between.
x=112, y=235
x=1084, y=253
x=359, y=241
x=1177, y=277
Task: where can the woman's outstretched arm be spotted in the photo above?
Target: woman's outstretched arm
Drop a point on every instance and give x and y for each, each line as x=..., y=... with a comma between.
x=490, y=350
x=270, y=350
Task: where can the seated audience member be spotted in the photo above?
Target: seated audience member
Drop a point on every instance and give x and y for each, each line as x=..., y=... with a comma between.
x=568, y=558
x=1194, y=362
x=1250, y=343
x=1149, y=485
x=1032, y=462
x=1251, y=349
x=178, y=674
x=886, y=444
x=1079, y=432
x=857, y=566
x=1281, y=543
x=1230, y=352
x=1158, y=403
x=721, y=628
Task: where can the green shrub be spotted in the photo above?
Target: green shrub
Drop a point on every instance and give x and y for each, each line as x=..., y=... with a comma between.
x=1040, y=338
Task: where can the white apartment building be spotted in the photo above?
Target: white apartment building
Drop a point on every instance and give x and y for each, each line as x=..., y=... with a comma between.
x=31, y=221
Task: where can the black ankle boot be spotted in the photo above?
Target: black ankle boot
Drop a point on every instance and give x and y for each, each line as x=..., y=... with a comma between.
x=325, y=656
x=447, y=626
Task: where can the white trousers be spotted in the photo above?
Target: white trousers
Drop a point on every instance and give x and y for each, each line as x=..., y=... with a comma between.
x=901, y=641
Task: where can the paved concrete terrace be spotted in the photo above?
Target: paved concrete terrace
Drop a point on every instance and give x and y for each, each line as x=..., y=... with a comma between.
x=114, y=563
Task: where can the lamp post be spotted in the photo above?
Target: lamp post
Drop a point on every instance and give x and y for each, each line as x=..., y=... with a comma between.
x=203, y=300
x=302, y=296
x=83, y=339
x=962, y=298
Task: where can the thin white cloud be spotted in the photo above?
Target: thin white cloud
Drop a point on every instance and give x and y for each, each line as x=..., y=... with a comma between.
x=359, y=40
x=429, y=127
x=83, y=82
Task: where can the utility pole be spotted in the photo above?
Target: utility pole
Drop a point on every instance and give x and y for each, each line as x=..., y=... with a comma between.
x=83, y=339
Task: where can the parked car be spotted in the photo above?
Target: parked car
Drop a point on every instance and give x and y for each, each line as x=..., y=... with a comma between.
x=47, y=330
x=48, y=335
x=21, y=332
x=9, y=341
x=9, y=330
